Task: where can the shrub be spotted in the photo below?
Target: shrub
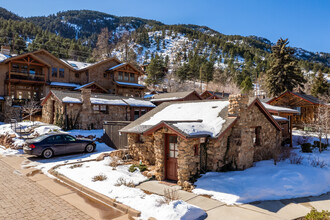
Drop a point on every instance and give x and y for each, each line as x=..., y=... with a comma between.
x=316, y=162
x=169, y=195
x=133, y=167
x=294, y=159
x=75, y=166
x=114, y=163
x=121, y=181
x=316, y=215
x=306, y=148
x=100, y=177
x=317, y=145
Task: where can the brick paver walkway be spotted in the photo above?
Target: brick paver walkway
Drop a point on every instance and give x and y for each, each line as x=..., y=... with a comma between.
x=21, y=198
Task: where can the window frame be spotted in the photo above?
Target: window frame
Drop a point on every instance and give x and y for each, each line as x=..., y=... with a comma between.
x=132, y=77
x=54, y=73
x=61, y=72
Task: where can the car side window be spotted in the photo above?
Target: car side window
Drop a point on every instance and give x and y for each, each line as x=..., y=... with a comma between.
x=69, y=138
x=55, y=139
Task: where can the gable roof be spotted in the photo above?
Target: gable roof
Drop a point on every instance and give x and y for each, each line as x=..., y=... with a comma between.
x=308, y=98
x=218, y=95
x=173, y=96
x=121, y=65
x=279, y=109
x=97, y=99
x=91, y=84
x=191, y=119
x=25, y=55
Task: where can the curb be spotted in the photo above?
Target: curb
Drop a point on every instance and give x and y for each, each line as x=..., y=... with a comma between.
x=93, y=194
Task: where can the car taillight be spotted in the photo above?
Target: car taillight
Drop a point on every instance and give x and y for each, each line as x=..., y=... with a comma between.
x=32, y=146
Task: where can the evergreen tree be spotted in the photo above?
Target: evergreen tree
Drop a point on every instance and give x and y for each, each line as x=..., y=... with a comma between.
x=155, y=71
x=182, y=72
x=206, y=71
x=246, y=85
x=320, y=85
x=284, y=73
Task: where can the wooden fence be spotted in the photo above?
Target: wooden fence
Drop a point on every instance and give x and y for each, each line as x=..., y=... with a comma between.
x=112, y=137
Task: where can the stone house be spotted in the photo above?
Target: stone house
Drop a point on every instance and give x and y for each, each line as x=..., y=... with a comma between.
x=159, y=98
x=87, y=110
x=184, y=139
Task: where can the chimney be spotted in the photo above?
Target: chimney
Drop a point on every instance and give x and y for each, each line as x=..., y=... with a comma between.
x=237, y=104
x=5, y=50
x=86, y=99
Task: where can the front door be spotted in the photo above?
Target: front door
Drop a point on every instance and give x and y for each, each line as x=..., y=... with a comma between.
x=171, y=157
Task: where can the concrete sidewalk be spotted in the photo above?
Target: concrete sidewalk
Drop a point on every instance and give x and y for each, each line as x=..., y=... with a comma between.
x=278, y=209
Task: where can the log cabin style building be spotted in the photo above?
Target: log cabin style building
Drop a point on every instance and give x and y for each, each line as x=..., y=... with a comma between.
x=184, y=139
x=306, y=106
x=207, y=94
x=31, y=76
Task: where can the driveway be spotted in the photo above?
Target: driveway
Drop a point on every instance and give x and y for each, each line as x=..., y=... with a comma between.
x=39, y=197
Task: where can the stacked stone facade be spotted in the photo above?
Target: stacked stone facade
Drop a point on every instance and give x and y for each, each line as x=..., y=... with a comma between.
x=235, y=150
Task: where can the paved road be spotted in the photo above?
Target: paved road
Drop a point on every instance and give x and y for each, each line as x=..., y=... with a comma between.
x=21, y=198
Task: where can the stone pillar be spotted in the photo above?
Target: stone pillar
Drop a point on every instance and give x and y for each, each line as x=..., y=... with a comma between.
x=86, y=112
x=159, y=147
x=237, y=104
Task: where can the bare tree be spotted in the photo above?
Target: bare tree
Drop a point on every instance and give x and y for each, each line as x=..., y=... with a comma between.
x=30, y=108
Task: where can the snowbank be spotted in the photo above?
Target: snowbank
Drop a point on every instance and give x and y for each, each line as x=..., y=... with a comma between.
x=149, y=205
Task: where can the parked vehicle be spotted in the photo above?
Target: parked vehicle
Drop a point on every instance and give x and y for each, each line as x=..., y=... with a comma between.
x=57, y=144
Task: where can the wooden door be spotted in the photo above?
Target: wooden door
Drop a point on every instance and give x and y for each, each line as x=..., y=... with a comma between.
x=171, y=157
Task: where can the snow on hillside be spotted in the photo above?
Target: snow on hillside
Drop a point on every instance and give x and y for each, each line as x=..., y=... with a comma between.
x=175, y=45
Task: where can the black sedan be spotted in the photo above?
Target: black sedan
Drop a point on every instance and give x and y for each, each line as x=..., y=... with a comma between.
x=57, y=144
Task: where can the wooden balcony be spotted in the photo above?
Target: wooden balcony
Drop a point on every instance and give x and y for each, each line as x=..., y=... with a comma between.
x=21, y=76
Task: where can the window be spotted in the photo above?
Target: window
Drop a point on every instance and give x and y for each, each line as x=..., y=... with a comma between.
x=54, y=72
x=136, y=114
x=298, y=109
x=24, y=69
x=131, y=77
x=126, y=77
x=257, y=137
x=103, y=108
x=61, y=72
x=15, y=68
x=173, y=146
x=196, y=150
x=55, y=139
x=120, y=76
x=69, y=138
x=0, y=107
x=77, y=75
x=143, y=111
x=104, y=75
x=96, y=107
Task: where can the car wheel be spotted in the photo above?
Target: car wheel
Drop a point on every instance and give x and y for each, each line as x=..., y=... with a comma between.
x=48, y=153
x=89, y=148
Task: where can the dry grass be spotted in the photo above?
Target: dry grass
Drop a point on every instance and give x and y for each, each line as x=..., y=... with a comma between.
x=169, y=195
x=75, y=166
x=121, y=181
x=294, y=159
x=114, y=163
x=100, y=177
x=316, y=162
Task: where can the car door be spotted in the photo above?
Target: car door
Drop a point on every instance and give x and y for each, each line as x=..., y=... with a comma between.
x=58, y=144
x=72, y=145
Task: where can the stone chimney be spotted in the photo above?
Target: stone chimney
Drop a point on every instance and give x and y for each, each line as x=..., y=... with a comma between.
x=5, y=50
x=237, y=104
x=86, y=99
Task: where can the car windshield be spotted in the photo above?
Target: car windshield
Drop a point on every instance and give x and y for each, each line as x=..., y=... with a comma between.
x=40, y=138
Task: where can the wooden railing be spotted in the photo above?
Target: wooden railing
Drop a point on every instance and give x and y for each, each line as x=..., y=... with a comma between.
x=25, y=76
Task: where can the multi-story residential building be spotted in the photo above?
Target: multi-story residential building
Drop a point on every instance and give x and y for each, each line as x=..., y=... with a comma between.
x=32, y=75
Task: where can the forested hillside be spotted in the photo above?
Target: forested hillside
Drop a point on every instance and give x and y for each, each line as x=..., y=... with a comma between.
x=190, y=52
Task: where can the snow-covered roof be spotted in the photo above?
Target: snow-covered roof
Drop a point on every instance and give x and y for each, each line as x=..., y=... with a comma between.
x=279, y=118
x=64, y=84
x=101, y=99
x=3, y=57
x=115, y=67
x=138, y=103
x=129, y=84
x=77, y=65
x=147, y=96
x=193, y=118
x=171, y=96
x=279, y=108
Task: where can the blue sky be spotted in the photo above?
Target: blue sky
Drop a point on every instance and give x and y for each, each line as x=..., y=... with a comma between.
x=305, y=22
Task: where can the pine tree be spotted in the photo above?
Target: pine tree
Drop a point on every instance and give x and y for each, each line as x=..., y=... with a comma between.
x=320, y=85
x=284, y=73
x=155, y=71
x=246, y=85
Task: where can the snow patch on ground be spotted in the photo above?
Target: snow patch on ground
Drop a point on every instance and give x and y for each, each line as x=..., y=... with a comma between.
x=149, y=205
